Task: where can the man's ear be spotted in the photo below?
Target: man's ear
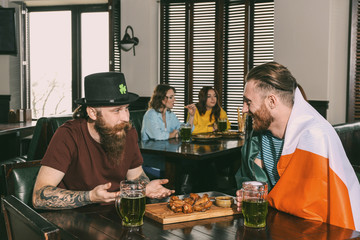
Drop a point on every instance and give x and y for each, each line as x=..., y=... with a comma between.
x=272, y=101
x=92, y=113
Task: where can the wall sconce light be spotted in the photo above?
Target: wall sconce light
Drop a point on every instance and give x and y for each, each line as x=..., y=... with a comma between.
x=129, y=42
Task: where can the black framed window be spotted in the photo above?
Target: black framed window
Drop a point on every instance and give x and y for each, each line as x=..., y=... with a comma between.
x=89, y=42
x=213, y=43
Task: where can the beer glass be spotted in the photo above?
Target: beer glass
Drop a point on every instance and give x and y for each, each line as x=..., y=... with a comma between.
x=130, y=204
x=241, y=122
x=222, y=124
x=254, y=203
x=185, y=132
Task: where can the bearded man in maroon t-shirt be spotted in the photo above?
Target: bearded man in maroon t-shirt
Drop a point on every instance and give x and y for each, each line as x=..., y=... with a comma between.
x=89, y=155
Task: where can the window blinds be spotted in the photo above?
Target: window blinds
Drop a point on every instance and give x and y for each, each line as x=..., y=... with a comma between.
x=203, y=43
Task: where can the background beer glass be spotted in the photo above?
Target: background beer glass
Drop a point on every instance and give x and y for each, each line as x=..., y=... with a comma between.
x=185, y=132
x=222, y=124
x=254, y=203
x=241, y=121
x=130, y=204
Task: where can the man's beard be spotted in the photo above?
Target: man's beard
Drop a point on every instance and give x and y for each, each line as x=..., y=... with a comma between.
x=262, y=119
x=112, y=139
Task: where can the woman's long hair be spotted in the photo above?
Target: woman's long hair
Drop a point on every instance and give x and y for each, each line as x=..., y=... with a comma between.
x=158, y=96
x=201, y=105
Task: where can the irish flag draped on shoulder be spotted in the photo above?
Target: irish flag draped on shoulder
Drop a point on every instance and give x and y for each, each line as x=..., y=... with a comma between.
x=317, y=181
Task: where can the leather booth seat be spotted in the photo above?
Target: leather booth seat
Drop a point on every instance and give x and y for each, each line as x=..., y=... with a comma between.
x=43, y=132
x=150, y=165
x=136, y=118
x=20, y=179
x=349, y=134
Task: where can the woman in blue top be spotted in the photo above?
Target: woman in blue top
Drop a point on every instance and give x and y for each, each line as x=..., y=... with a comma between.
x=159, y=122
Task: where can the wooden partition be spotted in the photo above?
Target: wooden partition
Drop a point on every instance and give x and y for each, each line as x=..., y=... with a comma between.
x=320, y=106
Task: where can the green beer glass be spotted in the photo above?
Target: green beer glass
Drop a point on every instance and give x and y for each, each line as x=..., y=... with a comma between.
x=222, y=124
x=130, y=204
x=254, y=203
x=185, y=132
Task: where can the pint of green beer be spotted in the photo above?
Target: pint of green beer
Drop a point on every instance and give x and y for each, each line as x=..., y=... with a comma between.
x=185, y=132
x=130, y=204
x=255, y=212
x=254, y=203
x=222, y=124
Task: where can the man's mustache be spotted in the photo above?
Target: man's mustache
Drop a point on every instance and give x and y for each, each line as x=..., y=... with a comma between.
x=125, y=126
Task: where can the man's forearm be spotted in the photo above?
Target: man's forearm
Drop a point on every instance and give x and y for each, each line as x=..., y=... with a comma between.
x=50, y=197
x=142, y=178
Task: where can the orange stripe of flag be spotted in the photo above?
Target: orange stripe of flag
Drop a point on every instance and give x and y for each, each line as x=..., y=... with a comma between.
x=309, y=188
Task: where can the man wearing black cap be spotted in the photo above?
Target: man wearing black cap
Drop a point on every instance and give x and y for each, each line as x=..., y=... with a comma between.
x=89, y=155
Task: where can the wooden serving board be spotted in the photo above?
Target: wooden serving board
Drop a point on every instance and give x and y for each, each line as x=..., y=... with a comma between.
x=161, y=213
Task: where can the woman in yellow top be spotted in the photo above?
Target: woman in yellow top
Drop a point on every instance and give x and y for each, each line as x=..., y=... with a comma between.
x=208, y=111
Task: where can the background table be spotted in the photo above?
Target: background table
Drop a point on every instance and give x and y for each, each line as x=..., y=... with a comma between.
x=11, y=135
x=179, y=157
x=194, y=150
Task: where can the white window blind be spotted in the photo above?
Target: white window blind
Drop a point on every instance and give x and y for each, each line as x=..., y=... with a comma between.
x=206, y=43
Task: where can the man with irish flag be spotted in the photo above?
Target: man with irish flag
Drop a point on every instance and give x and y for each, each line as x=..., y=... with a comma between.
x=296, y=151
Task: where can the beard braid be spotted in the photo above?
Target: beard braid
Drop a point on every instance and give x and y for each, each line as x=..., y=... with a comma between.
x=262, y=119
x=112, y=139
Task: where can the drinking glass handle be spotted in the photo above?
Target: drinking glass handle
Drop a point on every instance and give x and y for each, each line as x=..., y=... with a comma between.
x=241, y=196
x=118, y=198
x=241, y=193
x=117, y=203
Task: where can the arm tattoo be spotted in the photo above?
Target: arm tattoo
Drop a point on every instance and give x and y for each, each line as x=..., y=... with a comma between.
x=50, y=197
x=142, y=178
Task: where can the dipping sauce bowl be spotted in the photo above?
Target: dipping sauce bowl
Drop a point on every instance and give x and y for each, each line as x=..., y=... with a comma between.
x=224, y=201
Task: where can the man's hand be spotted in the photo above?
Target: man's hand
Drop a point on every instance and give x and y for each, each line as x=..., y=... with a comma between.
x=238, y=200
x=100, y=193
x=155, y=189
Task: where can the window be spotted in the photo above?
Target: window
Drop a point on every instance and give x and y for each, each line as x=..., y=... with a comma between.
x=353, y=108
x=213, y=43
x=50, y=67
x=66, y=43
x=94, y=49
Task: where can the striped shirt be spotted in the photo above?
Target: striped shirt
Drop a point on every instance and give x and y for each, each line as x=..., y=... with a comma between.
x=270, y=154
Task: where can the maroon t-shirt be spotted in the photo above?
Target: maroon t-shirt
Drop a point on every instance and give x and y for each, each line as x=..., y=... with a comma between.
x=74, y=152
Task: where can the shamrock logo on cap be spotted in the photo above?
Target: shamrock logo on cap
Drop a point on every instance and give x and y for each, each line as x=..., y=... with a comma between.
x=122, y=89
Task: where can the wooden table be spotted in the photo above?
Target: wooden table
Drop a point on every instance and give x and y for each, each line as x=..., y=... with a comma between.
x=102, y=222
x=9, y=128
x=11, y=135
x=177, y=155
